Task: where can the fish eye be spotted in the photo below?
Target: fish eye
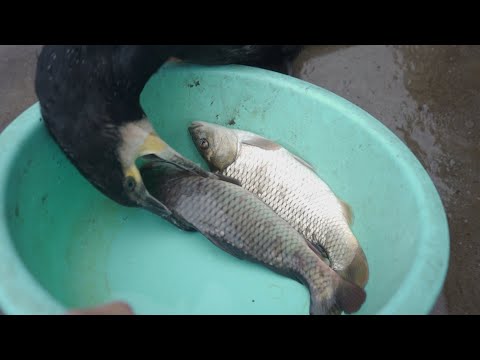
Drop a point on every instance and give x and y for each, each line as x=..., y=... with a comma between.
x=130, y=183
x=203, y=143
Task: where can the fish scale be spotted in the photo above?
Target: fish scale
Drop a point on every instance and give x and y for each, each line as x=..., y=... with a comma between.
x=252, y=231
x=290, y=187
x=324, y=207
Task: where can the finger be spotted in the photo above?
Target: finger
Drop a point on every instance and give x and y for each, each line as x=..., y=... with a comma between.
x=114, y=308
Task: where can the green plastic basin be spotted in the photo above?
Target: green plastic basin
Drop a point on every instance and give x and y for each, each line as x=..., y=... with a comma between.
x=63, y=244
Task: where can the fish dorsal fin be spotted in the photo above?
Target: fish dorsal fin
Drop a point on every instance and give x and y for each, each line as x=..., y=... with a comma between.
x=265, y=144
x=260, y=142
x=173, y=169
x=303, y=162
x=347, y=212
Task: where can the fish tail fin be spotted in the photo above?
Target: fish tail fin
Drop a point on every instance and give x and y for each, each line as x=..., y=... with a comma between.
x=349, y=297
x=347, y=212
x=335, y=310
x=346, y=297
x=357, y=271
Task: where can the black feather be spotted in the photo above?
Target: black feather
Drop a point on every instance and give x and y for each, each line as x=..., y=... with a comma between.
x=86, y=92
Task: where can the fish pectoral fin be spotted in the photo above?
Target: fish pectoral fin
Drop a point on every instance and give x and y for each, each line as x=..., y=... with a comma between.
x=265, y=144
x=260, y=142
x=227, y=178
x=229, y=249
x=347, y=212
x=319, y=251
x=180, y=223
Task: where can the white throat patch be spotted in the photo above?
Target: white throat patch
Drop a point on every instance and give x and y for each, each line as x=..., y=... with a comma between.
x=136, y=133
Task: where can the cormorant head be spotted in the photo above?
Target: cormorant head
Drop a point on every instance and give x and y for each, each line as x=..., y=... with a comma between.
x=110, y=155
x=139, y=141
x=116, y=163
x=90, y=103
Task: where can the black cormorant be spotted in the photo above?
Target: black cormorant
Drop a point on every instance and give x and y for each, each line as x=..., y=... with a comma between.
x=90, y=103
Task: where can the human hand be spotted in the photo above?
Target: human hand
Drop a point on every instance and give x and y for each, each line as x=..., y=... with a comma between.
x=113, y=308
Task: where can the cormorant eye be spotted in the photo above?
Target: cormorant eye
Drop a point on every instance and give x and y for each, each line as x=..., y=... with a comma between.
x=130, y=182
x=203, y=143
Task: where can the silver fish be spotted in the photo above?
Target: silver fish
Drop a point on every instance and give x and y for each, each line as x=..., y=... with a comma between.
x=291, y=187
x=241, y=224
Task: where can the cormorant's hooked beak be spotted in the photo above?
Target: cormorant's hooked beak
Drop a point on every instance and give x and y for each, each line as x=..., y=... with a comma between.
x=152, y=204
x=163, y=152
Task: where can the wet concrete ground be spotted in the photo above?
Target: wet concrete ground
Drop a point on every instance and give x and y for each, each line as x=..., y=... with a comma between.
x=428, y=95
x=17, y=72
